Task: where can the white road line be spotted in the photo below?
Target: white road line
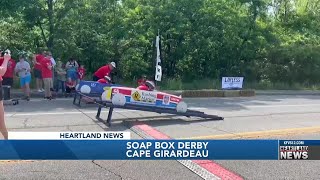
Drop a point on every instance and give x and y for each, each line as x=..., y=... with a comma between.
x=68, y=113
x=282, y=105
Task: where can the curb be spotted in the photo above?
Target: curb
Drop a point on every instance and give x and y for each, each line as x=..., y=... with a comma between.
x=288, y=92
x=214, y=93
x=37, y=95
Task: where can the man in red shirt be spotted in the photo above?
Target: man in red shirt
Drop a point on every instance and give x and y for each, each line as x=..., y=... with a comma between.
x=104, y=71
x=46, y=73
x=37, y=70
x=8, y=76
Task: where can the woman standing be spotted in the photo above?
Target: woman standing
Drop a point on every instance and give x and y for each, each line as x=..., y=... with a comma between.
x=3, y=69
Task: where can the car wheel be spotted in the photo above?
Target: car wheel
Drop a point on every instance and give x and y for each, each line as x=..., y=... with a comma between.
x=118, y=99
x=182, y=107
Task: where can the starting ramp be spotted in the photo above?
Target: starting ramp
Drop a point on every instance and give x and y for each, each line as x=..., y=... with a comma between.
x=94, y=98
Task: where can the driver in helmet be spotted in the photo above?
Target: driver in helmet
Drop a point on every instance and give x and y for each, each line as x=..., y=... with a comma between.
x=147, y=86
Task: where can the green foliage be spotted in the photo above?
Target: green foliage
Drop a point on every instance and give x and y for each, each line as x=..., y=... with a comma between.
x=267, y=41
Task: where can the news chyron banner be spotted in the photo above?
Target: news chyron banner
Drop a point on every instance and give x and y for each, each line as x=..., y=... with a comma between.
x=119, y=146
x=299, y=149
x=69, y=135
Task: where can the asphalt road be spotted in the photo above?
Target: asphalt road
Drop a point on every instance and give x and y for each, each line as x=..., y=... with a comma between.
x=295, y=117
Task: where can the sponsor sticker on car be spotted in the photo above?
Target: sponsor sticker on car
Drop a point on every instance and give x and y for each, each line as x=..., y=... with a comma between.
x=166, y=99
x=143, y=96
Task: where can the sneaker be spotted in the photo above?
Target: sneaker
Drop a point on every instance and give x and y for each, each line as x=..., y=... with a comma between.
x=39, y=90
x=42, y=90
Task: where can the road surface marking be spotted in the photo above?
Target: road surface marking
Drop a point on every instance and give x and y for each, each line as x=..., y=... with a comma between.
x=282, y=105
x=207, y=169
x=262, y=134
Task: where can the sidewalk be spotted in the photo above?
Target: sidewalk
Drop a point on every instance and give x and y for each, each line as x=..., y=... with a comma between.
x=16, y=93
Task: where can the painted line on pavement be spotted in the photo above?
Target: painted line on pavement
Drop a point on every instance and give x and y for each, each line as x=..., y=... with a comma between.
x=282, y=105
x=206, y=169
x=262, y=134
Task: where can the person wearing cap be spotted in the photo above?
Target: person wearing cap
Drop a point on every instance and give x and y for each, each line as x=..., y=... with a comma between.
x=3, y=69
x=104, y=71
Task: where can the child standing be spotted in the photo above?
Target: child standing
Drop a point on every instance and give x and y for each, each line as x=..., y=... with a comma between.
x=81, y=72
x=61, y=77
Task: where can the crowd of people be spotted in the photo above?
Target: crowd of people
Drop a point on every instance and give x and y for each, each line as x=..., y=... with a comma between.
x=51, y=76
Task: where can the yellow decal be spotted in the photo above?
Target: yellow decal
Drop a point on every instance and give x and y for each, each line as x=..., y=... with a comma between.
x=109, y=92
x=136, y=96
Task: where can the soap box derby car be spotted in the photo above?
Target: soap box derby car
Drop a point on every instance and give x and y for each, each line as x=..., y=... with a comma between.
x=120, y=95
x=117, y=96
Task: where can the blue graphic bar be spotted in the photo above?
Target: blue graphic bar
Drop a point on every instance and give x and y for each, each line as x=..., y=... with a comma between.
x=299, y=142
x=139, y=150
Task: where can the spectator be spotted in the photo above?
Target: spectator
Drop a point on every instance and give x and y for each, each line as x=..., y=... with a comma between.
x=61, y=77
x=72, y=67
x=8, y=76
x=81, y=72
x=70, y=87
x=3, y=69
x=46, y=69
x=38, y=71
x=23, y=69
x=104, y=71
x=53, y=67
x=142, y=80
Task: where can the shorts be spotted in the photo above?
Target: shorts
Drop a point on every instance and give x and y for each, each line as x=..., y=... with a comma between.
x=7, y=81
x=25, y=80
x=37, y=73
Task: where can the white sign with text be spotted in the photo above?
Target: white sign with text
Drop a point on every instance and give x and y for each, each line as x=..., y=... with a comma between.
x=232, y=82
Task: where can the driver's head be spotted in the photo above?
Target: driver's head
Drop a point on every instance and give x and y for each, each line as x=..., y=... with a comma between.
x=150, y=85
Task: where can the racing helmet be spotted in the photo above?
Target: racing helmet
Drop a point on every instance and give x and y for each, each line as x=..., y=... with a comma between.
x=150, y=85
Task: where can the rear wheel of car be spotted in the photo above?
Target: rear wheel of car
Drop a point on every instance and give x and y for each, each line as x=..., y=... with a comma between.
x=182, y=107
